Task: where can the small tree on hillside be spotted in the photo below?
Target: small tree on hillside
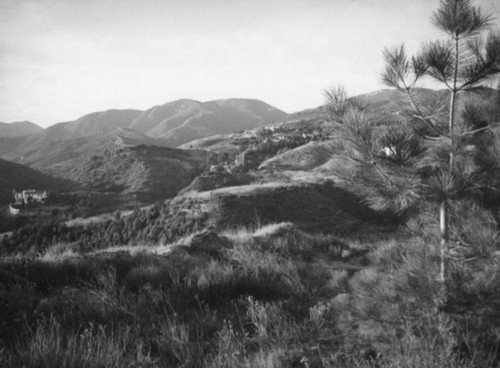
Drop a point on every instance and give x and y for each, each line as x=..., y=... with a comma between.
x=395, y=166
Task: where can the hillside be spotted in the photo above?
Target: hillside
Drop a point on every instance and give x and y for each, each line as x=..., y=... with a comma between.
x=150, y=172
x=27, y=149
x=120, y=161
x=19, y=129
x=99, y=122
x=312, y=207
x=182, y=121
x=306, y=157
x=16, y=176
x=56, y=155
x=18, y=149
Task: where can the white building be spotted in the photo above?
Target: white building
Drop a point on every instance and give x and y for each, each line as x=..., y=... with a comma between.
x=29, y=196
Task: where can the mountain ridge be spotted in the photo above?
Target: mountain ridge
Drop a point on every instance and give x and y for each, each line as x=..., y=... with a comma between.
x=19, y=129
x=170, y=124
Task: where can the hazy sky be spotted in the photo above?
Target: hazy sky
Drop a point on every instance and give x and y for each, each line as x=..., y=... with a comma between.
x=61, y=59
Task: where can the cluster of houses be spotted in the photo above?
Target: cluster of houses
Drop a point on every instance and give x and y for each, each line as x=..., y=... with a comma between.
x=284, y=131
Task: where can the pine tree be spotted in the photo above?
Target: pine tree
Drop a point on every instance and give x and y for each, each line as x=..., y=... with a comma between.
x=464, y=60
x=429, y=153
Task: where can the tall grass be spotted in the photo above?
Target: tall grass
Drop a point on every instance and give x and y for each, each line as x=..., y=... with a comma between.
x=275, y=297
x=52, y=346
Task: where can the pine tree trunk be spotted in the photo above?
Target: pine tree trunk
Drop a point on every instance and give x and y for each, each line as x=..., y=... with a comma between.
x=451, y=124
x=443, y=225
x=443, y=211
x=453, y=101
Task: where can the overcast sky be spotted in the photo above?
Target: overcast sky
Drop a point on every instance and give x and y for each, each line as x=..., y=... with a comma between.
x=61, y=59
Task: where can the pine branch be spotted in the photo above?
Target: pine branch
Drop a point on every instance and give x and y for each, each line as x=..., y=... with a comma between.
x=487, y=63
x=440, y=61
x=397, y=74
x=472, y=132
x=420, y=115
x=458, y=18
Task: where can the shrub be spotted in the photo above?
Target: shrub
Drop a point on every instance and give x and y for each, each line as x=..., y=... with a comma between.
x=270, y=323
x=229, y=348
x=51, y=346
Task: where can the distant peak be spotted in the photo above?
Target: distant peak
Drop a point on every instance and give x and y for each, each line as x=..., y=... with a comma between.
x=24, y=122
x=237, y=100
x=109, y=112
x=182, y=101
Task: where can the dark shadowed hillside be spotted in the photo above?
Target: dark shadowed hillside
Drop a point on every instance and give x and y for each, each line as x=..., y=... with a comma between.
x=16, y=176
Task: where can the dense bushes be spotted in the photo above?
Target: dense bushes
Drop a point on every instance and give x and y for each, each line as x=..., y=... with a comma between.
x=162, y=223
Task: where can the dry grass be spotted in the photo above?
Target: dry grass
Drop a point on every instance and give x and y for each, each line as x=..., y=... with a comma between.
x=238, y=190
x=244, y=234
x=59, y=252
x=51, y=346
x=276, y=297
x=89, y=220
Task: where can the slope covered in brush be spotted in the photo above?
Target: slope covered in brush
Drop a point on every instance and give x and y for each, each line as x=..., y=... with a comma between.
x=151, y=172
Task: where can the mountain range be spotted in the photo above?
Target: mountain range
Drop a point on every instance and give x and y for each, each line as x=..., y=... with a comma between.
x=176, y=122
x=171, y=124
x=99, y=148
